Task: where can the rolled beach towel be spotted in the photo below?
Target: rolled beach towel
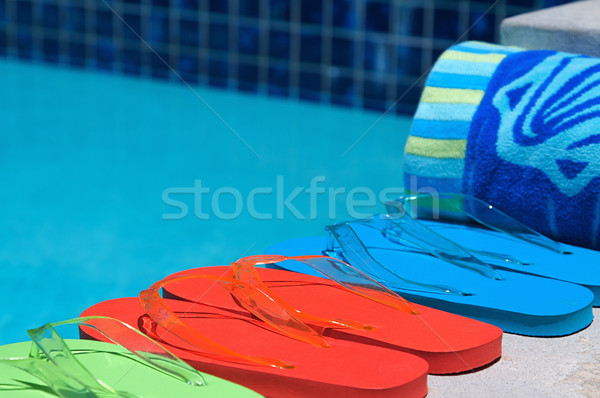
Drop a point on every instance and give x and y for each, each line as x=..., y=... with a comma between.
x=518, y=129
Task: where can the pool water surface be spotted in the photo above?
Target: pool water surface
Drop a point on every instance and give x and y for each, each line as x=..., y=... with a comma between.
x=87, y=159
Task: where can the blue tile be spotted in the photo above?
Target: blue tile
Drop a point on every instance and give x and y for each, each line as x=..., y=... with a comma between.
x=189, y=69
x=219, y=6
x=310, y=86
x=248, y=37
x=344, y=15
x=249, y=8
x=217, y=72
x=311, y=12
x=552, y=3
x=77, y=54
x=343, y=52
x=25, y=44
x=279, y=44
x=2, y=13
x=370, y=51
x=374, y=105
x=408, y=94
x=132, y=62
x=310, y=47
x=377, y=16
x=416, y=16
x=50, y=16
x=483, y=27
x=522, y=3
x=50, y=50
x=218, y=36
x=342, y=90
x=409, y=60
x=310, y=81
x=374, y=90
x=159, y=64
x=446, y=24
x=75, y=20
x=105, y=55
x=104, y=23
x=2, y=42
x=133, y=26
x=279, y=81
x=279, y=9
x=24, y=12
x=345, y=101
x=189, y=33
x=436, y=53
x=406, y=109
x=377, y=56
x=191, y=5
x=248, y=77
x=159, y=28
x=314, y=96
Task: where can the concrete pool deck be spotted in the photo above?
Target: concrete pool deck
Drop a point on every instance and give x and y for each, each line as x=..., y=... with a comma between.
x=534, y=367
x=572, y=27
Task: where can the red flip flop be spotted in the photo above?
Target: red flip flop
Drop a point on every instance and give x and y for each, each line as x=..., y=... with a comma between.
x=450, y=343
x=243, y=318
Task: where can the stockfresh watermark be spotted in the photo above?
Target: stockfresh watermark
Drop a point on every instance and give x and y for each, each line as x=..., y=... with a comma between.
x=276, y=202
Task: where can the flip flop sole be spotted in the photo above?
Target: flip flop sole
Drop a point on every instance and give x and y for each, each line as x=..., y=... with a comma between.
x=520, y=303
x=113, y=365
x=345, y=369
x=450, y=343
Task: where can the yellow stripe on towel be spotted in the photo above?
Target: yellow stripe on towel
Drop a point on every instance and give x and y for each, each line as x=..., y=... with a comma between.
x=434, y=148
x=472, y=57
x=452, y=95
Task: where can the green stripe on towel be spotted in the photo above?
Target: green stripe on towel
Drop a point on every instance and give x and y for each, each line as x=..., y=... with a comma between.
x=436, y=148
x=452, y=95
x=472, y=57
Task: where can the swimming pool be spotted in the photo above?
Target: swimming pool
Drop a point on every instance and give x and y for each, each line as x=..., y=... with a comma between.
x=98, y=172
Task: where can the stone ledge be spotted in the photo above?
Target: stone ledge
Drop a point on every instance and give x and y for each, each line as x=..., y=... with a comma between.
x=573, y=27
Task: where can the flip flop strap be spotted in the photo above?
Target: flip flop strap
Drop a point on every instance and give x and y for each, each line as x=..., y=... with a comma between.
x=244, y=284
x=53, y=362
x=479, y=211
x=353, y=250
x=401, y=229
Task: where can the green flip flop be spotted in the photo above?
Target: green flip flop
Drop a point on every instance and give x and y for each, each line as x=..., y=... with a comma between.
x=53, y=367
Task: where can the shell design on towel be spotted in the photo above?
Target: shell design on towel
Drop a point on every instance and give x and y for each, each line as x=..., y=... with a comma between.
x=553, y=124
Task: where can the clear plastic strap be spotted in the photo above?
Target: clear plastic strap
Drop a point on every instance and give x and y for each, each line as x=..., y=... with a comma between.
x=399, y=227
x=355, y=252
x=52, y=361
x=484, y=214
x=338, y=271
x=263, y=306
x=246, y=285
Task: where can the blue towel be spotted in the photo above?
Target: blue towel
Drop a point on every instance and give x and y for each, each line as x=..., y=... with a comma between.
x=531, y=145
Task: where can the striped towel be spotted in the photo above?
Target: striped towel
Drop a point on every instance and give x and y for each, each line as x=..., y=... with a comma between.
x=518, y=129
x=436, y=148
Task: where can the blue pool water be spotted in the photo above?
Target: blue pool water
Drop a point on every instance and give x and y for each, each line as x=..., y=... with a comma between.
x=85, y=160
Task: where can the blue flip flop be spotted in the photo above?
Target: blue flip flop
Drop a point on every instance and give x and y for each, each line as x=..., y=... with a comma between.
x=501, y=241
x=388, y=251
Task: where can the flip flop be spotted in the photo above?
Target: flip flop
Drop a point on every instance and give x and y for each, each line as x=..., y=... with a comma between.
x=450, y=343
x=500, y=240
x=50, y=366
x=264, y=344
x=405, y=256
